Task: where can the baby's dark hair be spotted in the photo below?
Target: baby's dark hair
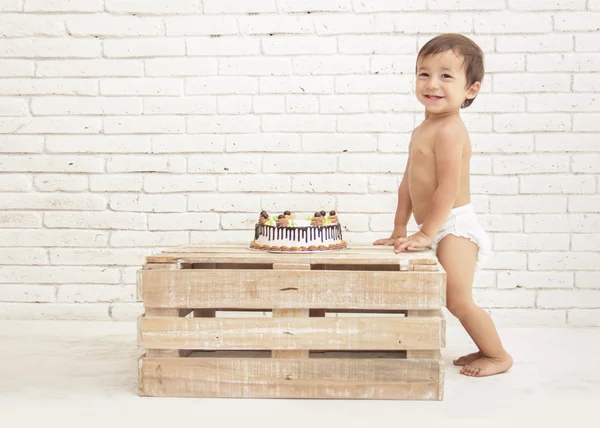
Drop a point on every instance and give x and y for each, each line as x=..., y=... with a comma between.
x=460, y=45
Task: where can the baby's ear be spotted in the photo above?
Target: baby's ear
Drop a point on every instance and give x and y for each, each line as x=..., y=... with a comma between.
x=473, y=90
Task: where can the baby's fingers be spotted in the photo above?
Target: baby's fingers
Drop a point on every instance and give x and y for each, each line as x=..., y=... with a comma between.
x=400, y=244
x=413, y=245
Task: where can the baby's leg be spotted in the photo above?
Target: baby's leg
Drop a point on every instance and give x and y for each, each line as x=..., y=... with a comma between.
x=458, y=256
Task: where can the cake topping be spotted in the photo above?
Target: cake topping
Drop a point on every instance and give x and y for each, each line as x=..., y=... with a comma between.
x=282, y=221
x=317, y=220
x=263, y=218
x=287, y=213
x=332, y=217
x=323, y=213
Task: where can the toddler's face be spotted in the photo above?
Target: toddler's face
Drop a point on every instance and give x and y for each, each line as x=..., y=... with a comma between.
x=441, y=84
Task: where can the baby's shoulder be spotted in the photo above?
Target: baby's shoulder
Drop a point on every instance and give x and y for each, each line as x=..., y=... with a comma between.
x=453, y=129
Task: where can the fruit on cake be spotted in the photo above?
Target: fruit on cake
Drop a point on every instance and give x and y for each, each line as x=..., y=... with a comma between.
x=283, y=232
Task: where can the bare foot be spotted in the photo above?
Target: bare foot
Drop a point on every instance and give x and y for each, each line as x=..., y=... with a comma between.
x=468, y=359
x=486, y=366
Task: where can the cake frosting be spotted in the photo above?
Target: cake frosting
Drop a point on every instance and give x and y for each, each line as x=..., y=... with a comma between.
x=284, y=232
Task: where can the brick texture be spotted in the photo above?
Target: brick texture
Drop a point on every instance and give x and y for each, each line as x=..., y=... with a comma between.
x=130, y=126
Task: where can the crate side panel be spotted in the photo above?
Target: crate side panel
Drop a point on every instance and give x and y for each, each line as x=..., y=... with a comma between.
x=292, y=289
x=281, y=378
x=287, y=333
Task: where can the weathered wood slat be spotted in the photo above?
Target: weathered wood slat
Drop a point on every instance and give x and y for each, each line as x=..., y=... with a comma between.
x=240, y=254
x=286, y=258
x=169, y=266
x=423, y=261
x=298, y=313
x=239, y=248
x=425, y=268
x=291, y=289
x=292, y=333
x=431, y=313
x=292, y=313
x=161, y=352
x=313, y=354
x=283, y=378
x=427, y=353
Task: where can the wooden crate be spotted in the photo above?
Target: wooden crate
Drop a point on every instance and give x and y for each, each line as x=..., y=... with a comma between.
x=229, y=321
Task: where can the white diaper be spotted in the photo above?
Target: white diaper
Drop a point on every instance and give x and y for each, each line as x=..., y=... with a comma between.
x=462, y=221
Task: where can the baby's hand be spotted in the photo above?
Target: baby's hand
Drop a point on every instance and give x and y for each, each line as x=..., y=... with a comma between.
x=418, y=240
x=385, y=241
x=399, y=232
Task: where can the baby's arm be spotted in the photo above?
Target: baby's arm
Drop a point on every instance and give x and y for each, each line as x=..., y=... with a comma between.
x=404, y=208
x=448, y=147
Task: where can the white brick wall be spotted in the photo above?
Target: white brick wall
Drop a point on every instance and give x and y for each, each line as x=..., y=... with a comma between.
x=128, y=126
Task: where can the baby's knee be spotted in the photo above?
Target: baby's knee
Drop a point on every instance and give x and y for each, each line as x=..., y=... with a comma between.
x=461, y=307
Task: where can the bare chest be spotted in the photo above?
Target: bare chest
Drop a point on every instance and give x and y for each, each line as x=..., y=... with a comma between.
x=422, y=147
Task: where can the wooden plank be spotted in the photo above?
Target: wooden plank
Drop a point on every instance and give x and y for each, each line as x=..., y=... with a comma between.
x=151, y=266
x=171, y=266
x=240, y=253
x=139, y=330
x=366, y=312
x=292, y=333
x=138, y=285
x=292, y=289
x=283, y=378
x=432, y=313
x=161, y=313
x=352, y=249
x=165, y=312
x=289, y=313
x=424, y=353
x=311, y=258
x=294, y=313
x=313, y=354
x=422, y=268
x=429, y=353
x=423, y=261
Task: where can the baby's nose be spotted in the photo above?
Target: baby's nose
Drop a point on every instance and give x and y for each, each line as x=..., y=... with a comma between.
x=432, y=83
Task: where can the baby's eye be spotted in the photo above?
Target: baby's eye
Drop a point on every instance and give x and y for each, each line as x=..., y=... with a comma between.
x=424, y=74
x=446, y=76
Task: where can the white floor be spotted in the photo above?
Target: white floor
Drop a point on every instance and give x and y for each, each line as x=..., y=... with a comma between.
x=83, y=374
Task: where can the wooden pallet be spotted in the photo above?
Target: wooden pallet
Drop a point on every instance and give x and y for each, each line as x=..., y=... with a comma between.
x=228, y=321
